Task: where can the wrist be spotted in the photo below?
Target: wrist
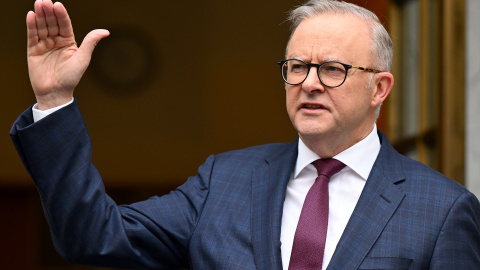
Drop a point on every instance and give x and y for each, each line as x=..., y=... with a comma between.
x=52, y=101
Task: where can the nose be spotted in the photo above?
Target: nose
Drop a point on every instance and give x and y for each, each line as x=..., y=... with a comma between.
x=312, y=83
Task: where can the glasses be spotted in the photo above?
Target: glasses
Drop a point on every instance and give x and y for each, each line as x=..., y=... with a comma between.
x=331, y=74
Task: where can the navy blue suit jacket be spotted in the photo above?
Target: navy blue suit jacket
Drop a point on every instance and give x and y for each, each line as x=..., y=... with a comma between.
x=229, y=215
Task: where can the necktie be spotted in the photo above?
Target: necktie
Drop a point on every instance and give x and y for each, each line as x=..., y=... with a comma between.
x=311, y=233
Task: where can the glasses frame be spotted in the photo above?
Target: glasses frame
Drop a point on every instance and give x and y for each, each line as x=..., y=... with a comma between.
x=309, y=65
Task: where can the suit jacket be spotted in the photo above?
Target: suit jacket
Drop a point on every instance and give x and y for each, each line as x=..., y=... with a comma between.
x=229, y=215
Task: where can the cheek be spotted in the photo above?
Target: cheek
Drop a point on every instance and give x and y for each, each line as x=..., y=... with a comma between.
x=350, y=102
x=291, y=97
x=340, y=100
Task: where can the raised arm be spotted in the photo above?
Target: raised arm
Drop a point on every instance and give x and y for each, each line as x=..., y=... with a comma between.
x=55, y=63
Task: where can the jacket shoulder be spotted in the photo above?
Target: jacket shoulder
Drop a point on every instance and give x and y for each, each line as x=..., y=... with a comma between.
x=419, y=178
x=260, y=153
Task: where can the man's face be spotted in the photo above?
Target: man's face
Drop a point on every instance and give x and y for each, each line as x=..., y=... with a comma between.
x=338, y=116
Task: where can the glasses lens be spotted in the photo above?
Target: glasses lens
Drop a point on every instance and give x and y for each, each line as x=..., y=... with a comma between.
x=332, y=74
x=294, y=71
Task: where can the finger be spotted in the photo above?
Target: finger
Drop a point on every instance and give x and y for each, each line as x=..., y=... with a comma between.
x=41, y=21
x=89, y=42
x=65, y=28
x=50, y=18
x=32, y=33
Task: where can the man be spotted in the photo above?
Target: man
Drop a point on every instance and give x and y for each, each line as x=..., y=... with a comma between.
x=248, y=209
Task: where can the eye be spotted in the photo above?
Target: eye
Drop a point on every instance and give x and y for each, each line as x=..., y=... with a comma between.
x=333, y=70
x=298, y=67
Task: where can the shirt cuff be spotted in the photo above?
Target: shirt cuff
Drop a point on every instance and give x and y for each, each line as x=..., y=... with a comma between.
x=39, y=114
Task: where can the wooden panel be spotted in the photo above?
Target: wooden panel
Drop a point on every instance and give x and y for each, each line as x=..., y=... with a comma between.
x=19, y=229
x=453, y=90
x=394, y=126
x=203, y=96
x=439, y=141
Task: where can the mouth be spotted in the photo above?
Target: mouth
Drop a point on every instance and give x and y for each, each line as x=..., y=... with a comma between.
x=311, y=106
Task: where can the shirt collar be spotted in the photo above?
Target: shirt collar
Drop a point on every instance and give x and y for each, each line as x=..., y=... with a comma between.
x=360, y=157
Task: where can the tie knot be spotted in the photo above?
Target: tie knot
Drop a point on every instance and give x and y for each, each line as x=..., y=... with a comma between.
x=328, y=167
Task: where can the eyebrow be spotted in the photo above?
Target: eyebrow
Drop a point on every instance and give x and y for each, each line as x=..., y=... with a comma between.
x=322, y=61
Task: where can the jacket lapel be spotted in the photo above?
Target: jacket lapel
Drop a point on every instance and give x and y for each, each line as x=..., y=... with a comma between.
x=269, y=184
x=379, y=200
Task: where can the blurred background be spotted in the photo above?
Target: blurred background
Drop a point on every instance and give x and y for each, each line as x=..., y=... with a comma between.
x=179, y=80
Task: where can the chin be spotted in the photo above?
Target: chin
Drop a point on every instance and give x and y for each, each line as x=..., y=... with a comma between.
x=313, y=127
x=312, y=132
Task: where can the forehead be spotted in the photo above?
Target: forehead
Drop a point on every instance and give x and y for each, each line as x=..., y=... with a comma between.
x=324, y=37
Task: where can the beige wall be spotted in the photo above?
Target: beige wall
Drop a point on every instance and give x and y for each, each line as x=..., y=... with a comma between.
x=472, y=125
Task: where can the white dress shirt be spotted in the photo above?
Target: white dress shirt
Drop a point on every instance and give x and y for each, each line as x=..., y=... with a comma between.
x=344, y=191
x=39, y=114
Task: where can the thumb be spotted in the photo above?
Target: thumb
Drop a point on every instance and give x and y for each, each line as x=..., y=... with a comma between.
x=91, y=40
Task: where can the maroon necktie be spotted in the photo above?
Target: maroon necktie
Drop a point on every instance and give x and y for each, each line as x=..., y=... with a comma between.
x=309, y=241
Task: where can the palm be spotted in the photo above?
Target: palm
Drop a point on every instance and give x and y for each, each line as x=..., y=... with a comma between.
x=55, y=63
x=52, y=65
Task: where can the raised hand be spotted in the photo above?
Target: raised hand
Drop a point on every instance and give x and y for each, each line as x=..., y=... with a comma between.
x=55, y=63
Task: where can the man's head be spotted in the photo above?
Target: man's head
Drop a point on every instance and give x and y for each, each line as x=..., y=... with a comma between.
x=331, y=118
x=382, y=47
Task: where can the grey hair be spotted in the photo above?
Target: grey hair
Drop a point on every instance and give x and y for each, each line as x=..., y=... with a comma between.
x=382, y=47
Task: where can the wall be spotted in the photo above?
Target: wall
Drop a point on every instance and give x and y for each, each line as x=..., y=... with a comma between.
x=472, y=125
x=213, y=84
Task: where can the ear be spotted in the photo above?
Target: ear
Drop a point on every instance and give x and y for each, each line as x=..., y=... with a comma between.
x=383, y=83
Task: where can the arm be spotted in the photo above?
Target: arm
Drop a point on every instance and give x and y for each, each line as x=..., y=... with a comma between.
x=87, y=226
x=55, y=63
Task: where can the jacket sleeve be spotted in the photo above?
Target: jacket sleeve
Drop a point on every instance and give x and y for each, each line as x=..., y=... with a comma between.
x=87, y=226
